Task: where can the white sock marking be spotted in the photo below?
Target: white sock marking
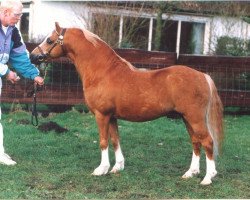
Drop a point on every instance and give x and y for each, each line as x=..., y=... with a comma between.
x=194, y=167
x=211, y=172
x=104, y=166
x=119, y=164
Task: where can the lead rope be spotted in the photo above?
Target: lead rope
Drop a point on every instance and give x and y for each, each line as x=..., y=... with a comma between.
x=33, y=108
x=34, y=114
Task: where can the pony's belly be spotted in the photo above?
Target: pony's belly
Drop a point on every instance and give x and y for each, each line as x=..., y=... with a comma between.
x=138, y=119
x=140, y=116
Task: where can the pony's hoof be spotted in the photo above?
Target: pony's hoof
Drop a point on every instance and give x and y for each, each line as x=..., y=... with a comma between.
x=206, y=182
x=117, y=167
x=208, y=178
x=190, y=174
x=101, y=170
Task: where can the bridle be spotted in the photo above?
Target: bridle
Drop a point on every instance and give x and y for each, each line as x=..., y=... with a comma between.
x=59, y=41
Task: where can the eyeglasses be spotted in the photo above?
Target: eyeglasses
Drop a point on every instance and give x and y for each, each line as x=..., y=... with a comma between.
x=18, y=15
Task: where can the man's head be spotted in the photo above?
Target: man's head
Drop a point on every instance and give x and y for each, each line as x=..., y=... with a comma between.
x=10, y=12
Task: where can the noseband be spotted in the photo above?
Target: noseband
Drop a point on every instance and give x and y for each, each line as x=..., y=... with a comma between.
x=44, y=56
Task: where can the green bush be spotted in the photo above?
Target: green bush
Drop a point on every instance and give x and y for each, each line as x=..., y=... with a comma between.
x=232, y=46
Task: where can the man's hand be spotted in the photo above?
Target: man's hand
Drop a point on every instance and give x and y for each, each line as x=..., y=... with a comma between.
x=39, y=80
x=12, y=77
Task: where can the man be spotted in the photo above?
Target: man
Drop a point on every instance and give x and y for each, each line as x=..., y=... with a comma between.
x=13, y=52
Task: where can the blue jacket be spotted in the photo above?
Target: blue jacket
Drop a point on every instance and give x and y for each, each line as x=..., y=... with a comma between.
x=14, y=53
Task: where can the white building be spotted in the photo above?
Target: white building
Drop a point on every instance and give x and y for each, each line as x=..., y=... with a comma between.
x=40, y=15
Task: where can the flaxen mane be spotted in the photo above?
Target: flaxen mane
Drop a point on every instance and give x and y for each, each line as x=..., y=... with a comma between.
x=91, y=37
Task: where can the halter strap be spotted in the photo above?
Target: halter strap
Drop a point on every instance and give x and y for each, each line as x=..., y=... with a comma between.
x=59, y=41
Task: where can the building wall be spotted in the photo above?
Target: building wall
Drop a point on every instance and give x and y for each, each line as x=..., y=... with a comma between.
x=232, y=27
x=43, y=15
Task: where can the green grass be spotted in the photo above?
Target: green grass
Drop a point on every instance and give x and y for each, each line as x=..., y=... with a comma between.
x=157, y=153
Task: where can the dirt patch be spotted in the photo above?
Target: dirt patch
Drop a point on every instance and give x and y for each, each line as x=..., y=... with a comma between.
x=23, y=121
x=51, y=126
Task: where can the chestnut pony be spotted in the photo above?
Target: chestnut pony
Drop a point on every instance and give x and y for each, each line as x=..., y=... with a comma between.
x=114, y=89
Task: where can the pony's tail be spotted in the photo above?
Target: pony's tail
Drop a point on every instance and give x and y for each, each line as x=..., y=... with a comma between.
x=214, y=117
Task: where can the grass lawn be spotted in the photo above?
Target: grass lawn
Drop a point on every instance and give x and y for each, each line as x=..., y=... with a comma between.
x=157, y=153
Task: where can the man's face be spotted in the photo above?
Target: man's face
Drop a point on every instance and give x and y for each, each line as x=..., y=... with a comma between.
x=12, y=16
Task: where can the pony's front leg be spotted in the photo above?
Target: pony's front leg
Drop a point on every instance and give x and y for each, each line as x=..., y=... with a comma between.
x=119, y=159
x=103, y=124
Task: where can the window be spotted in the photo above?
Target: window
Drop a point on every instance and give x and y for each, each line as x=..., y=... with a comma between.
x=135, y=33
x=192, y=38
x=107, y=28
x=24, y=26
x=141, y=33
x=134, y=30
x=167, y=42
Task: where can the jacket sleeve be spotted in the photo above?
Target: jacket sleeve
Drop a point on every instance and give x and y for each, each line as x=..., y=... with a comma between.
x=19, y=57
x=4, y=70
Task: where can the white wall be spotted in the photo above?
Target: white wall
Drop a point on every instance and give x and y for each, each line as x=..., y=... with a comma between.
x=232, y=27
x=44, y=14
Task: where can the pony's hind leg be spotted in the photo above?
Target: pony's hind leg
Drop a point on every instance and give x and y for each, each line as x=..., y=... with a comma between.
x=195, y=163
x=210, y=163
x=119, y=159
x=201, y=136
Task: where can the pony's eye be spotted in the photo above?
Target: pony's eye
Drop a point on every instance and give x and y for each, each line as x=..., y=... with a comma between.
x=49, y=41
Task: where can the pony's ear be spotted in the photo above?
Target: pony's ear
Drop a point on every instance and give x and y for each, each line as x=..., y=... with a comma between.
x=58, y=28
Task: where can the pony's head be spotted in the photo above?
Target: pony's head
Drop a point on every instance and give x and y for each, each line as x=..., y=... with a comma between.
x=51, y=47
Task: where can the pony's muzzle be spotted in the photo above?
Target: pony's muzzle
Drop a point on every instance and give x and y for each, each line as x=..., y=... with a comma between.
x=37, y=59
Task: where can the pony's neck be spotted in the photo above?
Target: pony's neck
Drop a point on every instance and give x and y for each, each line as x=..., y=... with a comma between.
x=91, y=56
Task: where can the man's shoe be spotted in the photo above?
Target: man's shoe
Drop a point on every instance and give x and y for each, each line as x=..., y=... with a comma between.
x=6, y=159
